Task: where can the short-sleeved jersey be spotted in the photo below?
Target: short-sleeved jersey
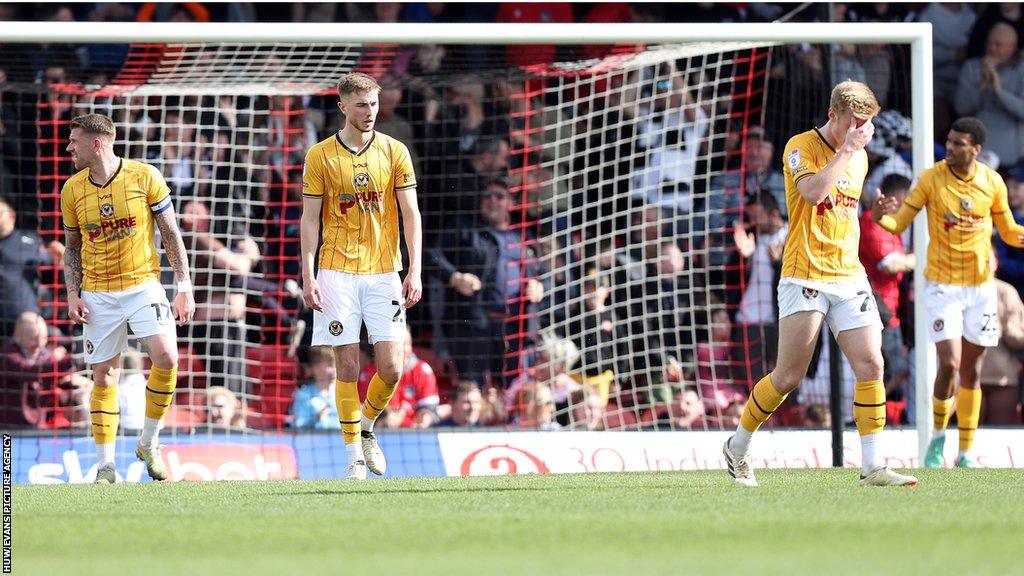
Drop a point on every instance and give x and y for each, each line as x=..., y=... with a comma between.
x=823, y=239
x=960, y=213
x=359, y=216
x=116, y=221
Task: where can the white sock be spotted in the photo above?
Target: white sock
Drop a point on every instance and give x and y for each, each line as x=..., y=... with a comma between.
x=869, y=457
x=354, y=451
x=939, y=433
x=740, y=443
x=963, y=453
x=150, y=431
x=367, y=423
x=105, y=453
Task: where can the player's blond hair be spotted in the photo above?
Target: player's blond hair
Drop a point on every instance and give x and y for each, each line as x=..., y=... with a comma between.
x=95, y=124
x=355, y=82
x=856, y=97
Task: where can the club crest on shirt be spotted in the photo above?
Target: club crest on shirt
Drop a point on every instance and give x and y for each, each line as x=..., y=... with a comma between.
x=362, y=180
x=335, y=328
x=966, y=204
x=107, y=210
x=938, y=325
x=810, y=293
x=843, y=183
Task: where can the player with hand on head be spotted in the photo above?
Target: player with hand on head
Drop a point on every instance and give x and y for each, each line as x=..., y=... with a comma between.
x=111, y=267
x=353, y=185
x=822, y=280
x=963, y=199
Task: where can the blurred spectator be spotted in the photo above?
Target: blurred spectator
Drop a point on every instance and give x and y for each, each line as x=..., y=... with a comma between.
x=992, y=90
x=314, y=405
x=683, y=411
x=1001, y=371
x=713, y=374
x=1011, y=260
x=752, y=281
x=892, y=132
x=671, y=129
x=219, y=272
x=131, y=391
x=587, y=410
x=40, y=387
x=951, y=24
x=527, y=12
x=414, y=403
x=728, y=191
x=224, y=408
x=535, y=407
x=886, y=261
x=600, y=337
x=489, y=269
x=553, y=358
x=466, y=407
x=22, y=253
x=994, y=13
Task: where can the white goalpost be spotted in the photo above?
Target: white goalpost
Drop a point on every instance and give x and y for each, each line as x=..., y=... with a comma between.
x=257, y=83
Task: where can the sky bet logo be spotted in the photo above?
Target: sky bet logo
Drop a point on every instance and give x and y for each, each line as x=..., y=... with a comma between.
x=112, y=229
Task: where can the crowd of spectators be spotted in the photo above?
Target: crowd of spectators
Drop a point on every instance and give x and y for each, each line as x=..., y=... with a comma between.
x=607, y=262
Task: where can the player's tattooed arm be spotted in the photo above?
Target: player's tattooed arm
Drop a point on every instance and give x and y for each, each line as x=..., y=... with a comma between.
x=73, y=261
x=174, y=246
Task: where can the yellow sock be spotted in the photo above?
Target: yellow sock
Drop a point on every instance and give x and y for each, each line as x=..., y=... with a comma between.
x=378, y=396
x=104, y=414
x=869, y=407
x=941, y=412
x=347, y=396
x=160, y=391
x=764, y=401
x=968, y=411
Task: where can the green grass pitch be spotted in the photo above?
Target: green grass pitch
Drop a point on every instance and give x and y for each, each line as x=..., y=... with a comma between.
x=644, y=524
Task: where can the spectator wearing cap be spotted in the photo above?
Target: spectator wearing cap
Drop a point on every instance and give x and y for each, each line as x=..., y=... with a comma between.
x=992, y=89
x=891, y=130
x=1011, y=260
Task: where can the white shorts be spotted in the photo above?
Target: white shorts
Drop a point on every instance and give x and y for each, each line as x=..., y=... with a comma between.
x=846, y=305
x=968, y=311
x=350, y=300
x=144, y=308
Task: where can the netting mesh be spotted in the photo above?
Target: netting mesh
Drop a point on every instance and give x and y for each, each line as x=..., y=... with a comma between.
x=580, y=264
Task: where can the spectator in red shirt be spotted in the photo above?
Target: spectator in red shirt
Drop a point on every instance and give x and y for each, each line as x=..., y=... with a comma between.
x=39, y=386
x=414, y=403
x=885, y=261
x=530, y=12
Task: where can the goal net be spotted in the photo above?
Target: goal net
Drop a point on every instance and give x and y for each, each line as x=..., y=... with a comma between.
x=580, y=203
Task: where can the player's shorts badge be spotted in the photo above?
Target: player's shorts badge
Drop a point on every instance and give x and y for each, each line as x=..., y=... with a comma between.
x=810, y=293
x=335, y=328
x=89, y=347
x=938, y=325
x=107, y=210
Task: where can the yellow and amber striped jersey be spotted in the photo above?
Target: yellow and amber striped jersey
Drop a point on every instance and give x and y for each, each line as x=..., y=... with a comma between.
x=116, y=221
x=960, y=213
x=823, y=239
x=358, y=218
